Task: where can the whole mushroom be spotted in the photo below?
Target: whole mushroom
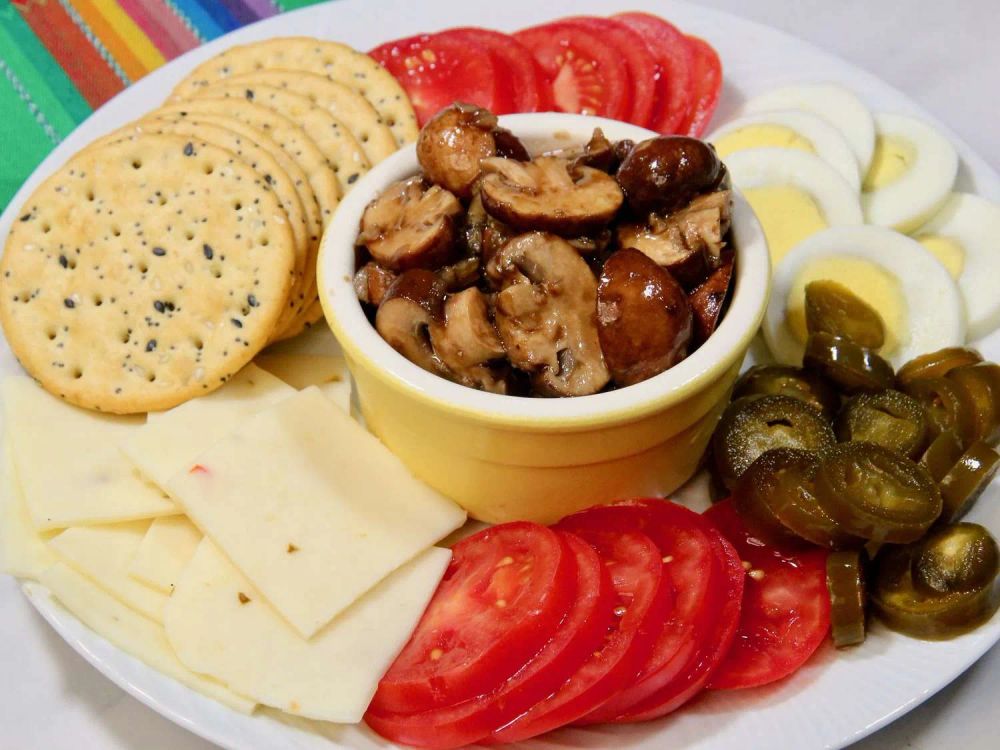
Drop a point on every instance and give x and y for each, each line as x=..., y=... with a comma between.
x=663, y=174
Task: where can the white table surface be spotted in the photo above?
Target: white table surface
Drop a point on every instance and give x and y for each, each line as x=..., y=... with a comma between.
x=943, y=54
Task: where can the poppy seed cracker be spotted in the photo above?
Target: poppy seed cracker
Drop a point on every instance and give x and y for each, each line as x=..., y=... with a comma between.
x=126, y=225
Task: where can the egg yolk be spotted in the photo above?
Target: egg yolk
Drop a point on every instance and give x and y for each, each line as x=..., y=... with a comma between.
x=948, y=251
x=761, y=136
x=892, y=159
x=869, y=281
x=787, y=214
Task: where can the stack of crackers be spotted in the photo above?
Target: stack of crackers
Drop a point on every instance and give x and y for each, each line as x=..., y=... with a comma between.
x=163, y=257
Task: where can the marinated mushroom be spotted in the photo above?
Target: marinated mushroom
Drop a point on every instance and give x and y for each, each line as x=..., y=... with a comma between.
x=466, y=341
x=664, y=174
x=372, y=282
x=643, y=319
x=460, y=275
x=454, y=141
x=413, y=303
x=410, y=225
x=546, y=195
x=689, y=242
x=546, y=313
x=708, y=299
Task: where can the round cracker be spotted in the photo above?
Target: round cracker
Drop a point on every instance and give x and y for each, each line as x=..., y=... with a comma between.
x=343, y=153
x=143, y=273
x=339, y=100
x=331, y=59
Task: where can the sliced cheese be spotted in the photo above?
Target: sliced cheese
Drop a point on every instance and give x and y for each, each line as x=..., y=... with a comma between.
x=68, y=462
x=171, y=439
x=131, y=632
x=164, y=551
x=103, y=554
x=303, y=370
x=23, y=552
x=219, y=625
x=312, y=508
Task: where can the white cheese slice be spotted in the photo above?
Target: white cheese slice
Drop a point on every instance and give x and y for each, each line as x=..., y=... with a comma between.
x=312, y=508
x=131, y=632
x=164, y=552
x=23, y=552
x=219, y=625
x=103, y=554
x=171, y=439
x=303, y=370
x=68, y=462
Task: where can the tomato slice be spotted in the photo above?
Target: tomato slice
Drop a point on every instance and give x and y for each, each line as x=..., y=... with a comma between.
x=707, y=77
x=502, y=598
x=692, y=567
x=641, y=64
x=520, y=78
x=642, y=603
x=585, y=73
x=719, y=627
x=786, y=607
x=673, y=56
x=438, y=71
x=582, y=631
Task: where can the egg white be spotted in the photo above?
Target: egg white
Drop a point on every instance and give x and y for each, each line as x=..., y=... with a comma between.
x=907, y=201
x=934, y=307
x=974, y=223
x=839, y=106
x=830, y=145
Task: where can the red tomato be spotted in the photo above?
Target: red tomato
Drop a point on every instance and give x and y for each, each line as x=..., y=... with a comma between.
x=707, y=79
x=437, y=72
x=642, y=67
x=504, y=594
x=718, y=631
x=642, y=604
x=674, y=57
x=585, y=72
x=521, y=79
x=786, y=607
x=691, y=566
x=580, y=633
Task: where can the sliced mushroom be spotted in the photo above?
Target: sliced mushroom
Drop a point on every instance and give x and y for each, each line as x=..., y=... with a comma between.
x=372, y=282
x=454, y=141
x=410, y=225
x=663, y=174
x=689, y=242
x=413, y=303
x=460, y=275
x=644, y=320
x=543, y=195
x=602, y=154
x=546, y=314
x=709, y=298
x=467, y=343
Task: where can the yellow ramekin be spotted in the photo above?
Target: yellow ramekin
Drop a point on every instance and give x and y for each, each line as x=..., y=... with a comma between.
x=504, y=457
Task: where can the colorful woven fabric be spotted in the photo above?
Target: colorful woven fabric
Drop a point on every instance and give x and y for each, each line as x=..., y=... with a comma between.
x=61, y=59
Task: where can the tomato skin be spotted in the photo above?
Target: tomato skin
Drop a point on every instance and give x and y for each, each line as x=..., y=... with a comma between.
x=674, y=57
x=437, y=72
x=642, y=67
x=467, y=643
x=584, y=72
x=786, y=613
x=643, y=602
x=707, y=79
x=581, y=632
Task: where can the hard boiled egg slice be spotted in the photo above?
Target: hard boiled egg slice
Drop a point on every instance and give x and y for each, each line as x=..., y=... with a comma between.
x=789, y=129
x=794, y=194
x=912, y=172
x=837, y=105
x=918, y=300
x=964, y=236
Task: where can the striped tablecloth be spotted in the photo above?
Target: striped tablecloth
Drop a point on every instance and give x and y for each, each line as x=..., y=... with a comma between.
x=61, y=59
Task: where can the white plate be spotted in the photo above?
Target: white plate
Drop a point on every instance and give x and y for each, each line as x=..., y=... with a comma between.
x=837, y=698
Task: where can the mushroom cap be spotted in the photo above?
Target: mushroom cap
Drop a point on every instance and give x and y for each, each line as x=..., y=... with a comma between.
x=413, y=303
x=372, y=282
x=663, y=174
x=548, y=194
x=546, y=313
x=453, y=142
x=410, y=225
x=708, y=299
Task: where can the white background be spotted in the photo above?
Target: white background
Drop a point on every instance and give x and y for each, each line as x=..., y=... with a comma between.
x=943, y=54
